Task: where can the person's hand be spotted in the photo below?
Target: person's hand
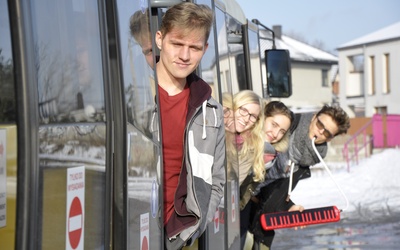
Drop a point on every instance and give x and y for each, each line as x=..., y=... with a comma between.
x=255, y=199
x=299, y=208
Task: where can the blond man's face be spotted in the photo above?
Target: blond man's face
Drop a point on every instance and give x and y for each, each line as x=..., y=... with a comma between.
x=181, y=52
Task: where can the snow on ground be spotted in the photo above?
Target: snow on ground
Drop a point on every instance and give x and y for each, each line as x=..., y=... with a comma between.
x=372, y=187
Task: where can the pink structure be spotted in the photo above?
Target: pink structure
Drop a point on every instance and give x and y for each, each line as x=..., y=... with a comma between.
x=389, y=137
x=385, y=134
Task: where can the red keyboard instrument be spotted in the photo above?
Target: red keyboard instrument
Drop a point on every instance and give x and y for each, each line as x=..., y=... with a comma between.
x=287, y=219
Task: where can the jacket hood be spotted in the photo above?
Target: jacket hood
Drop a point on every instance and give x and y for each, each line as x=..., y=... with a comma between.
x=200, y=91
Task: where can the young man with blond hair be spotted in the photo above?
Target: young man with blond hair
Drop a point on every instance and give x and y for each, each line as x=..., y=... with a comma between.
x=193, y=134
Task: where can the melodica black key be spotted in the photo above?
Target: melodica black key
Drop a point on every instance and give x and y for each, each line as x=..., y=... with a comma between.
x=271, y=221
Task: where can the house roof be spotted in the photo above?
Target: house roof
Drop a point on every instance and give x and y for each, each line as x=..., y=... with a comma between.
x=299, y=51
x=387, y=33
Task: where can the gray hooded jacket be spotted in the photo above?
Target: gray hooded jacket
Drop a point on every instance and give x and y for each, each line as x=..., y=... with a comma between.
x=202, y=178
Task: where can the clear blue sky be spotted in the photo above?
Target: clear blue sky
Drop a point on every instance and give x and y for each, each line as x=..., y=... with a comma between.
x=333, y=22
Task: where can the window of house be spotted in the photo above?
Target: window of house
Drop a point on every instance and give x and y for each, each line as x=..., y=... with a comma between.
x=371, y=81
x=357, y=63
x=386, y=74
x=382, y=110
x=325, y=82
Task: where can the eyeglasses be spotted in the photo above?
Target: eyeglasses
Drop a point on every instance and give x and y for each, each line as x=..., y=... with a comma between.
x=245, y=112
x=147, y=52
x=227, y=112
x=326, y=132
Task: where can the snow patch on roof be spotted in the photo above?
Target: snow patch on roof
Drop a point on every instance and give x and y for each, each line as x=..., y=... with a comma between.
x=389, y=32
x=298, y=50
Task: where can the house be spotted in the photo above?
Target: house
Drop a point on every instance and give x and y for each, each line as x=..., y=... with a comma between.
x=369, y=73
x=312, y=70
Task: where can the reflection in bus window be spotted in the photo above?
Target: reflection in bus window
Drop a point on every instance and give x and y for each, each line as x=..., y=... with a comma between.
x=208, y=65
x=69, y=62
x=255, y=62
x=138, y=69
x=7, y=95
x=223, y=63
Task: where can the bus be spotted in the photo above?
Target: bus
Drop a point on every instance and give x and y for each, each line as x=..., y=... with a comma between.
x=79, y=167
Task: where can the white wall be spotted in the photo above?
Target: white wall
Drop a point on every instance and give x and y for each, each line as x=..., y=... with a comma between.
x=307, y=89
x=348, y=81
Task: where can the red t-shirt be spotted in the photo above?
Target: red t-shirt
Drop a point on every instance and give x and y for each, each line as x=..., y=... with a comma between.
x=173, y=110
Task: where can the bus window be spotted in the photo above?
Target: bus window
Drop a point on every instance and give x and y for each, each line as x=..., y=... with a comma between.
x=254, y=57
x=72, y=131
x=68, y=63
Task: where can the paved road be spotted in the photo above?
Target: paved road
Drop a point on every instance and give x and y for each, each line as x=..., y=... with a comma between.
x=352, y=232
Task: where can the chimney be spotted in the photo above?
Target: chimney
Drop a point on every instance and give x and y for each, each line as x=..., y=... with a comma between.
x=277, y=31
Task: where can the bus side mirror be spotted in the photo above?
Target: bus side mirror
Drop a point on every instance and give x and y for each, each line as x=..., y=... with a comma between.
x=279, y=80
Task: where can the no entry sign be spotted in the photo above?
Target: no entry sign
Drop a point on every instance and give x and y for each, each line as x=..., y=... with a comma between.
x=216, y=221
x=75, y=216
x=75, y=223
x=144, y=231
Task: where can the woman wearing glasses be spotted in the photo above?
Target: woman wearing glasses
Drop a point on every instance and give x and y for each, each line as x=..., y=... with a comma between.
x=248, y=141
x=306, y=129
x=244, y=141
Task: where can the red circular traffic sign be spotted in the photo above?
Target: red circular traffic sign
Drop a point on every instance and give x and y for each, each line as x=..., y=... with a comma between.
x=75, y=232
x=145, y=243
